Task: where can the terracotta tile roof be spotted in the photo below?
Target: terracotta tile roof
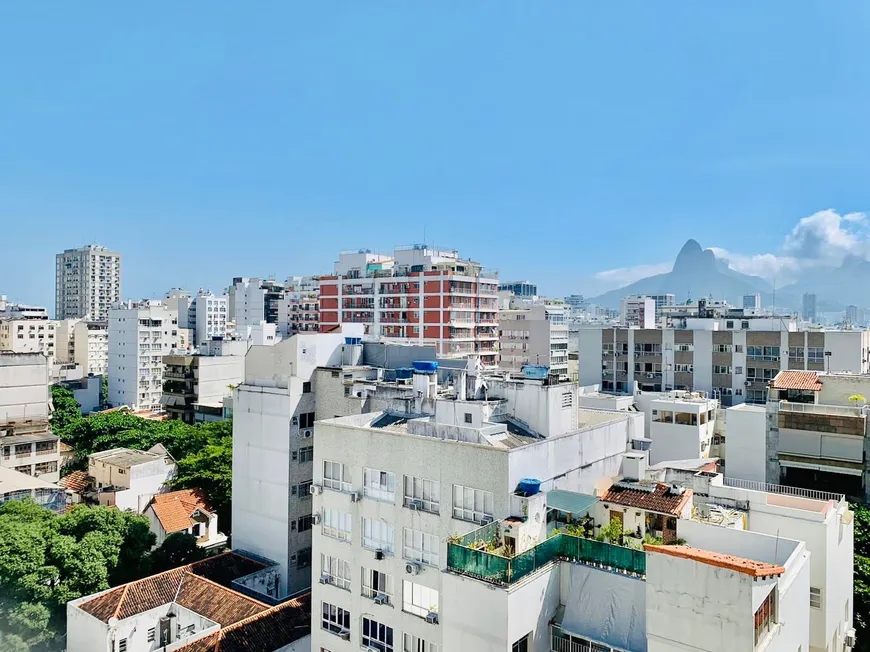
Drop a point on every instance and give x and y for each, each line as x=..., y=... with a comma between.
x=264, y=632
x=76, y=481
x=652, y=497
x=200, y=587
x=65, y=448
x=739, y=564
x=174, y=509
x=806, y=380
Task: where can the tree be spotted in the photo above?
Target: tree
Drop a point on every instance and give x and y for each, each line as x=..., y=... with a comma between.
x=211, y=471
x=178, y=549
x=66, y=409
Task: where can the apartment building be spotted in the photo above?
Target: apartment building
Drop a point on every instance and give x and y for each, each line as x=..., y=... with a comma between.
x=195, y=385
x=638, y=311
x=525, y=289
x=210, y=316
x=752, y=302
x=808, y=307
x=206, y=606
x=533, y=334
x=129, y=479
x=85, y=343
x=419, y=295
x=299, y=308
x=88, y=282
x=273, y=449
x=26, y=335
x=180, y=302
x=24, y=486
x=252, y=300
x=732, y=358
x=139, y=335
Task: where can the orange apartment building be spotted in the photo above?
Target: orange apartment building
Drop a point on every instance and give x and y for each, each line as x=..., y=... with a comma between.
x=419, y=295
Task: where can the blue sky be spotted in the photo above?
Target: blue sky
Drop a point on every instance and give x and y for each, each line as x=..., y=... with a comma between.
x=552, y=140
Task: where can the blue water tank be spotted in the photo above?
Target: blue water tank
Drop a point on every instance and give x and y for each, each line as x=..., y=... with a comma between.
x=535, y=371
x=425, y=366
x=528, y=487
x=404, y=372
x=353, y=340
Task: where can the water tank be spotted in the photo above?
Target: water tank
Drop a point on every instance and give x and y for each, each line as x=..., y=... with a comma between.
x=528, y=487
x=535, y=371
x=403, y=373
x=425, y=366
x=353, y=340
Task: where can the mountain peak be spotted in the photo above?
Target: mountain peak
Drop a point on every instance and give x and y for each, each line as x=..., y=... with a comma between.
x=690, y=248
x=694, y=260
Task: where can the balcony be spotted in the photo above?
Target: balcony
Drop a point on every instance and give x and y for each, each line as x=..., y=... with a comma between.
x=471, y=556
x=837, y=419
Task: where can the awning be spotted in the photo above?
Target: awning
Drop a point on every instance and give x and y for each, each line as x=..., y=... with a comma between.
x=570, y=502
x=828, y=468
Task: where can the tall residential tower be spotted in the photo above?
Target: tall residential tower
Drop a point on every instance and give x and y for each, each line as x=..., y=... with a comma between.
x=88, y=282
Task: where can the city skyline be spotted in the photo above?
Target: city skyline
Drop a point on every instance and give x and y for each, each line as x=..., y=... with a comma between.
x=294, y=134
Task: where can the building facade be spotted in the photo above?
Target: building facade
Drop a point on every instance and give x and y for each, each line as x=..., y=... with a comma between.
x=19, y=335
x=808, y=307
x=210, y=316
x=417, y=296
x=139, y=335
x=88, y=282
x=299, y=308
x=519, y=288
x=638, y=311
x=535, y=334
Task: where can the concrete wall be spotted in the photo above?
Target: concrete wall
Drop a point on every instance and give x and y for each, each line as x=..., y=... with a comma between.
x=589, y=355
x=746, y=435
x=24, y=391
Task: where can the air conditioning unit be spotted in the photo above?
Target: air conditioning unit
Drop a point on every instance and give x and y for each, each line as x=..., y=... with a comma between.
x=355, y=496
x=315, y=519
x=380, y=598
x=306, y=433
x=324, y=579
x=415, y=503
x=849, y=639
x=379, y=554
x=486, y=520
x=412, y=568
x=747, y=383
x=432, y=617
x=344, y=634
x=315, y=490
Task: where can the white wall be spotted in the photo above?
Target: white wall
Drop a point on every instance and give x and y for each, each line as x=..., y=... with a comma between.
x=24, y=391
x=746, y=434
x=589, y=355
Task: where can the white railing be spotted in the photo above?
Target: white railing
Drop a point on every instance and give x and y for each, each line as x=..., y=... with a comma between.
x=812, y=408
x=755, y=485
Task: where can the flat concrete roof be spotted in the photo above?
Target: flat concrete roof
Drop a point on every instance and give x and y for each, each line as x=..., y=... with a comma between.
x=125, y=457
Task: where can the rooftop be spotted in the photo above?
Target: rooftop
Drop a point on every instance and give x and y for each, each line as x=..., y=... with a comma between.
x=76, y=481
x=739, y=564
x=175, y=509
x=200, y=587
x=11, y=480
x=126, y=457
x=799, y=380
x=649, y=496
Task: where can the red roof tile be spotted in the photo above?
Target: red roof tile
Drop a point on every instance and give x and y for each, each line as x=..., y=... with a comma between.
x=174, y=510
x=76, y=481
x=805, y=380
x=657, y=497
x=738, y=564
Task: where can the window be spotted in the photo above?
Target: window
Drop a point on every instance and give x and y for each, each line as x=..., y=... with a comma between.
x=378, y=535
x=765, y=617
x=303, y=558
x=427, y=493
x=729, y=324
x=722, y=348
x=738, y=371
x=472, y=504
x=796, y=352
x=336, y=524
x=303, y=524
x=336, y=571
x=756, y=396
x=302, y=490
x=815, y=354
x=521, y=645
x=306, y=387
x=567, y=399
x=416, y=644
x=744, y=325
x=683, y=368
x=419, y=546
x=306, y=420
x=122, y=645
x=380, y=485
x=336, y=475
x=418, y=599
x=768, y=353
x=334, y=619
x=377, y=636
x=721, y=369
x=815, y=598
x=377, y=583
x=306, y=454
x=684, y=347
x=152, y=632
x=738, y=348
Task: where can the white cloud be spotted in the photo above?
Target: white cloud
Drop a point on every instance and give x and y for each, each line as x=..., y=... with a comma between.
x=624, y=275
x=767, y=266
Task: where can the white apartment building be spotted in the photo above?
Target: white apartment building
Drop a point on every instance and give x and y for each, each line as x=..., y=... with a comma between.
x=638, y=311
x=21, y=310
x=179, y=301
x=299, y=308
x=533, y=334
x=140, y=334
x=246, y=303
x=88, y=282
x=20, y=335
x=129, y=479
x=680, y=425
x=211, y=316
x=732, y=359
x=273, y=450
x=85, y=343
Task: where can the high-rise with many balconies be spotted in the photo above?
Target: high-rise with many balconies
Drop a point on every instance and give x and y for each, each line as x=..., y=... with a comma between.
x=419, y=295
x=88, y=282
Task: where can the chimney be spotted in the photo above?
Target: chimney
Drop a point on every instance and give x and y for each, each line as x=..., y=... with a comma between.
x=634, y=466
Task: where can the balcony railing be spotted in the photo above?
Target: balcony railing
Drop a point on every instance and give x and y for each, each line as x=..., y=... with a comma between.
x=754, y=485
x=831, y=410
x=464, y=559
